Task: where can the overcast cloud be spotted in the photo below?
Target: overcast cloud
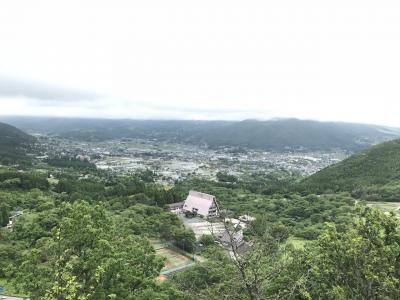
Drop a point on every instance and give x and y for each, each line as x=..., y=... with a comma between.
x=325, y=60
x=43, y=94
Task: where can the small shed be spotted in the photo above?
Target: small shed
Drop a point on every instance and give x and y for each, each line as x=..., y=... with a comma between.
x=175, y=208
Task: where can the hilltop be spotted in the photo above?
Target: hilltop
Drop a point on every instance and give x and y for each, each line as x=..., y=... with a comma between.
x=271, y=135
x=372, y=174
x=13, y=144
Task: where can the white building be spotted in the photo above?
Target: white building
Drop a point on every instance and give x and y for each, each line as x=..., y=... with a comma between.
x=201, y=204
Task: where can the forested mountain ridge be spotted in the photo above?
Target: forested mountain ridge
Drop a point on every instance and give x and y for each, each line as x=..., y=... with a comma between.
x=373, y=171
x=297, y=134
x=13, y=144
x=274, y=135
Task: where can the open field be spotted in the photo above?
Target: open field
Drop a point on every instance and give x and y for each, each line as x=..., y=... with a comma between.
x=175, y=258
x=386, y=206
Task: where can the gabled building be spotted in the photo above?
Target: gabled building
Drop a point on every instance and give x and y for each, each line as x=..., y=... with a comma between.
x=175, y=208
x=232, y=237
x=201, y=204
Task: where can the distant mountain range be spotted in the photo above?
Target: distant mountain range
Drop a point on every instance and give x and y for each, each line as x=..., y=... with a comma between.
x=13, y=144
x=278, y=135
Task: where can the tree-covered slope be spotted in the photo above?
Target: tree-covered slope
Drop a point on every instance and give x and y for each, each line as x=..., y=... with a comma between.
x=13, y=144
x=376, y=167
x=295, y=134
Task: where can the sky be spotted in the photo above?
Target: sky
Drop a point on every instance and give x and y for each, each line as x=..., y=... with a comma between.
x=310, y=59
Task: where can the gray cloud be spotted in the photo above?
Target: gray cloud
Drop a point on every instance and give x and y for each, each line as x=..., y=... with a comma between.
x=198, y=109
x=41, y=93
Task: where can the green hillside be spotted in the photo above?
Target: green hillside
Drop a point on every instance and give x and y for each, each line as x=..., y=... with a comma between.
x=372, y=173
x=298, y=134
x=13, y=144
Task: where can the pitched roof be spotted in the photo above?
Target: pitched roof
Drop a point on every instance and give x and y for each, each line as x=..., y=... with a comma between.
x=200, y=201
x=230, y=237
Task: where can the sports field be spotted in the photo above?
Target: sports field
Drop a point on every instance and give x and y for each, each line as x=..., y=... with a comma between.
x=175, y=259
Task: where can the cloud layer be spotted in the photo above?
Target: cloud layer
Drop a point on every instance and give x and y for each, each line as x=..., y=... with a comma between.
x=326, y=60
x=42, y=94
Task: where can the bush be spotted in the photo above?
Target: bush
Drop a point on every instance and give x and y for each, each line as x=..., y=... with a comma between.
x=207, y=240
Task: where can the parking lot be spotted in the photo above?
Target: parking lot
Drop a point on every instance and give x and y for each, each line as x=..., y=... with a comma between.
x=201, y=226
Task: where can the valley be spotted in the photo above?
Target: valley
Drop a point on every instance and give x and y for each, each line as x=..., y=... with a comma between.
x=172, y=161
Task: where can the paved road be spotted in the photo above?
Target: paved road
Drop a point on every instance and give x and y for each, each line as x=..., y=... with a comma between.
x=10, y=298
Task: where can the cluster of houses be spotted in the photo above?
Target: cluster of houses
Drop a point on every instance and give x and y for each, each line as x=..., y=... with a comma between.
x=205, y=206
